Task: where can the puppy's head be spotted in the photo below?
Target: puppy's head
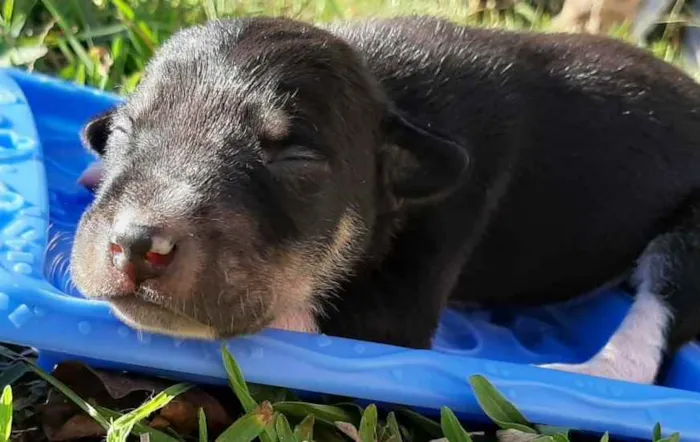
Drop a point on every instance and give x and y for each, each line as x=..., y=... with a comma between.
x=243, y=180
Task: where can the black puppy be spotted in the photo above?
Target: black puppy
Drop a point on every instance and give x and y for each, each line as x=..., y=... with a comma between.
x=357, y=179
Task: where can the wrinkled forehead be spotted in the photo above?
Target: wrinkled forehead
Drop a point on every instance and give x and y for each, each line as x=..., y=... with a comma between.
x=204, y=102
x=254, y=76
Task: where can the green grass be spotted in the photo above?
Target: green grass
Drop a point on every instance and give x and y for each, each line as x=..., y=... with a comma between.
x=106, y=44
x=264, y=420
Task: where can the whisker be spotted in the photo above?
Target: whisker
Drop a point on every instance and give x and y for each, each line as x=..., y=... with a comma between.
x=57, y=254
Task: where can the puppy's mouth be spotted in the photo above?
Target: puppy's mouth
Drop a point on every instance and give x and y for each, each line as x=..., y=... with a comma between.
x=156, y=318
x=151, y=317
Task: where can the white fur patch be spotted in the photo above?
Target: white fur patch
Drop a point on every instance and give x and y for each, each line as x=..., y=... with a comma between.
x=176, y=200
x=122, y=223
x=634, y=353
x=161, y=245
x=300, y=320
x=151, y=318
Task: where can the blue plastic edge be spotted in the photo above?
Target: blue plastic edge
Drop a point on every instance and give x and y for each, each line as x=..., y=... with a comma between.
x=62, y=328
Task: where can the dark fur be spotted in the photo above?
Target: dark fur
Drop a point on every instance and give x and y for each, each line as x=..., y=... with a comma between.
x=581, y=150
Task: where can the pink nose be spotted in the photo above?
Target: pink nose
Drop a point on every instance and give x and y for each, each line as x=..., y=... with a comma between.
x=141, y=253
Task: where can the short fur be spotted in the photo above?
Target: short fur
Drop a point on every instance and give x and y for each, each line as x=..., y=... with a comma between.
x=368, y=174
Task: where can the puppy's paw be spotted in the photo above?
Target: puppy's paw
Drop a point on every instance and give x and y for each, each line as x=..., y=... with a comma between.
x=610, y=368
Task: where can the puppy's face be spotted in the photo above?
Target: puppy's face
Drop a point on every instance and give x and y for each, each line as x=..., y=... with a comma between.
x=241, y=182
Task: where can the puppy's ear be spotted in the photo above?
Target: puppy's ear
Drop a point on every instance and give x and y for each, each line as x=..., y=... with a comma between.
x=95, y=133
x=421, y=165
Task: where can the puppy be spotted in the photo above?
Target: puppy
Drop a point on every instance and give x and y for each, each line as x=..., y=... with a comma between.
x=356, y=179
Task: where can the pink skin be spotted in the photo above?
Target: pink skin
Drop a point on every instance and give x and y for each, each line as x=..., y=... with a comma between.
x=91, y=176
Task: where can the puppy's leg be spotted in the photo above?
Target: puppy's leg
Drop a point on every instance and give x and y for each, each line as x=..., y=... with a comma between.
x=635, y=351
x=666, y=310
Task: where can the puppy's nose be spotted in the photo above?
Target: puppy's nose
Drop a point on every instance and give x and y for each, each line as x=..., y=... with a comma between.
x=141, y=252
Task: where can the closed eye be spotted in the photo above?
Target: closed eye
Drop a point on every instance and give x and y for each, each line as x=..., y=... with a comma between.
x=294, y=153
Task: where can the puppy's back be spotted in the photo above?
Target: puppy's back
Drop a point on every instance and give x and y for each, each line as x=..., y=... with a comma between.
x=599, y=142
x=435, y=58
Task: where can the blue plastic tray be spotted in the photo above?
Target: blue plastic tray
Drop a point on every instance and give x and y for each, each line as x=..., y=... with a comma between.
x=40, y=204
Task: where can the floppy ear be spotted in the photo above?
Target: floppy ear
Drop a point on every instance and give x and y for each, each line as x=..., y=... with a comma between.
x=423, y=165
x=96, y=131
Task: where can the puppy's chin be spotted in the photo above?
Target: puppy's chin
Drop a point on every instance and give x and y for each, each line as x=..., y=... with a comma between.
x=302, y=320
x=150, y=317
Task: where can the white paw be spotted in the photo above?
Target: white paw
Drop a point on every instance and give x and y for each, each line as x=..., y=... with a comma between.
x=635, y=351
x=609, y=367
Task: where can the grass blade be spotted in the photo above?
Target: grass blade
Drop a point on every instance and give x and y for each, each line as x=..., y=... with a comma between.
x=68, y=33
x=119, y=58
x=60, y=386
x=139, y=428
x=497, y=407
x=451, y=428
x=80, y=75
x=6, y=414
x=124, y=8
x=304, y=431
x=7, y=12
x=272, y=394
x=349, y=430
x=237, y=381
x=675, y=437
x=394, y=430
x=124, y=425
x=284, y=431
x=428, y=425
x=560, y=437
x=210, y=9
x=13, y=373
x=154, y=404
x=19, y=19
x=657, y=432
x=552, y=431
x=605, y=438
x=203, y=436
x=105, y=31
x=240, y=388
x=130, y=83
x=368, y=424
x=326, y=413
x=22, y=56
x=250, y=426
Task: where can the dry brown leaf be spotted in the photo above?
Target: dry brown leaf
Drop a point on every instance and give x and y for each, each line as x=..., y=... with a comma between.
x=86, y=381
x=181, y=415
x=349, y=430
x=218, y=418
x=123, y=391
x=159, y=423
x=76, y=427
x=56, y=411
